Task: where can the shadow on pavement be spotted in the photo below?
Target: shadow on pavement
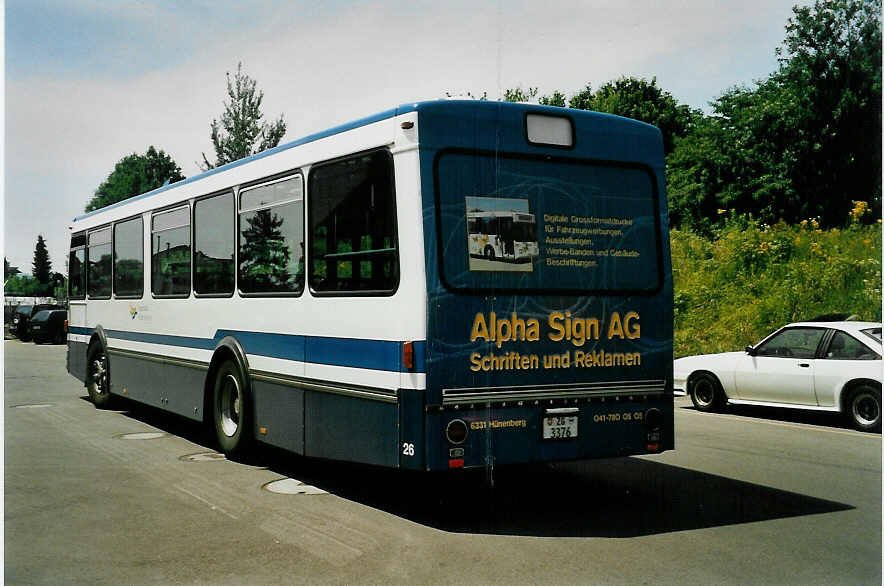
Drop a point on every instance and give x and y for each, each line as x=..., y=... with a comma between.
x=170, y=423
x=622, y=497
x=784, y=414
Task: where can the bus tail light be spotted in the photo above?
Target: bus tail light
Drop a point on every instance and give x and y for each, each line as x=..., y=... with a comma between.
x=654, y=426
x=408, y=355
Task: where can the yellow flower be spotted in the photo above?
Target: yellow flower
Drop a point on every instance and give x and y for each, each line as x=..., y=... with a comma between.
x=860, y=209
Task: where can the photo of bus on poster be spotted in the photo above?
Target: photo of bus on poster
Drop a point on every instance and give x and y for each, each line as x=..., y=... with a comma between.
x=502, y=234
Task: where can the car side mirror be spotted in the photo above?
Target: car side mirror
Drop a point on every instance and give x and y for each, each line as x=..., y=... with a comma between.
x=751, y=351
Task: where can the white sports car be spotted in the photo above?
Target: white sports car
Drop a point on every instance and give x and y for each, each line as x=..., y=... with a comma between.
x=826, y=366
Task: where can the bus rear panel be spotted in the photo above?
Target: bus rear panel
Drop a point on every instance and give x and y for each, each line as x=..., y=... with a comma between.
x=565, y=353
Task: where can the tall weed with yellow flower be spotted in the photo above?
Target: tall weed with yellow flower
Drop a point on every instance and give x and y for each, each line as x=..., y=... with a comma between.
x=751, y=278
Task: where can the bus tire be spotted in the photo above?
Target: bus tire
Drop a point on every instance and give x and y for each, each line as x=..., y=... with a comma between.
x=489, y=252
x=231, y=411
x=864, y=408
x=706, y=392
x=98, y=376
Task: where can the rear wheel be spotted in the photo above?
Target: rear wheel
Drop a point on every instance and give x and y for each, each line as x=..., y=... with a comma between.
x=706, y=392
x=98, y=376
x=864, y=408
x=231, y=411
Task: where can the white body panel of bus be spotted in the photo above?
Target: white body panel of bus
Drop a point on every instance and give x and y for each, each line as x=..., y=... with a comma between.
x=397, y=317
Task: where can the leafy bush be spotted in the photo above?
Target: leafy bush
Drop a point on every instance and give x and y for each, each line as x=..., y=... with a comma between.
x=750, y=278
x=26, y=285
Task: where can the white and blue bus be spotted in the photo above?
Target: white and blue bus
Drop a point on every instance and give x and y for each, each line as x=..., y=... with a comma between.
x=502, y=236
x=323, y=297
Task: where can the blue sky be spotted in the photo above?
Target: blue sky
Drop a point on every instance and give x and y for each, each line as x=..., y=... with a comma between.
x=91, y=81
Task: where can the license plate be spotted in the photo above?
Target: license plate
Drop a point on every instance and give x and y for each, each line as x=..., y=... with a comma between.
x=559, y=427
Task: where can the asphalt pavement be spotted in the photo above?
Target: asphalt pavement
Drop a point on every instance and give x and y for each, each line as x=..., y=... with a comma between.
x=135, y=496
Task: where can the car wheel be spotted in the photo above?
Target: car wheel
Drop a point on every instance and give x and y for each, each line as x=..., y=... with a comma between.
x=98, y=377
x=231, y=411
x=864, y=408
x=706, y=392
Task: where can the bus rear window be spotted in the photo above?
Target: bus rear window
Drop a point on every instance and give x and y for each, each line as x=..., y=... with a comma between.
x=541, y=225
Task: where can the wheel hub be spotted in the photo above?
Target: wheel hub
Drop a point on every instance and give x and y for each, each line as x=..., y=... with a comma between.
x=703, y=392
x=866, y=409
x=230, y=406
x=99, y=375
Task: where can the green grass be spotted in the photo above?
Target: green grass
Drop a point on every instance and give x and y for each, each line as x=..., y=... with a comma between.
x=750, y=279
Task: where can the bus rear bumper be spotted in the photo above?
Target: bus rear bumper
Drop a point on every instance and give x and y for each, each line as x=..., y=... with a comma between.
x=552, y=432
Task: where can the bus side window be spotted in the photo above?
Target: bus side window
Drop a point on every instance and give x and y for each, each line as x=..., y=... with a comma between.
x=352, y=219
x=77, y=267
x=98, y=282
x=129, y=259
x=213, y=245
x=170, y=253
x=271, y=237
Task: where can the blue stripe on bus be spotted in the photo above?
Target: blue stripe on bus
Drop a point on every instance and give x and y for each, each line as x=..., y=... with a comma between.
x=349, y=352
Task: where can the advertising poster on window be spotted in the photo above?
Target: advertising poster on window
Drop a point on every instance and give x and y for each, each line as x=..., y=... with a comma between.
x=524, y=224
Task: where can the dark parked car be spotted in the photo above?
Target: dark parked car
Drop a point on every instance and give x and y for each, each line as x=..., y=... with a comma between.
x=48, y=326
x=23, y=315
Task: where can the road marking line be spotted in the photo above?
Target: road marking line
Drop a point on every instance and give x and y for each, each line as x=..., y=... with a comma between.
x=781, y=424
x=202, y=500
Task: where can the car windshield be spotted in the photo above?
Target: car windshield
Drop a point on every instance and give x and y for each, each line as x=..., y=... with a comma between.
x=24, y=309
x=874, y=333
x=41, y=315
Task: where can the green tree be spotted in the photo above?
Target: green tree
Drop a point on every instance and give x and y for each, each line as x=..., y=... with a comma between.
x=696, y=176
x=9, y=270
x=240, y=132
x=264, y=256
x=42, y=266
x=23, y=285
x=831, y=58
x=517, y=94
x=797, y=145
x=133, y=175
x=638, y=99
x=557, y=98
